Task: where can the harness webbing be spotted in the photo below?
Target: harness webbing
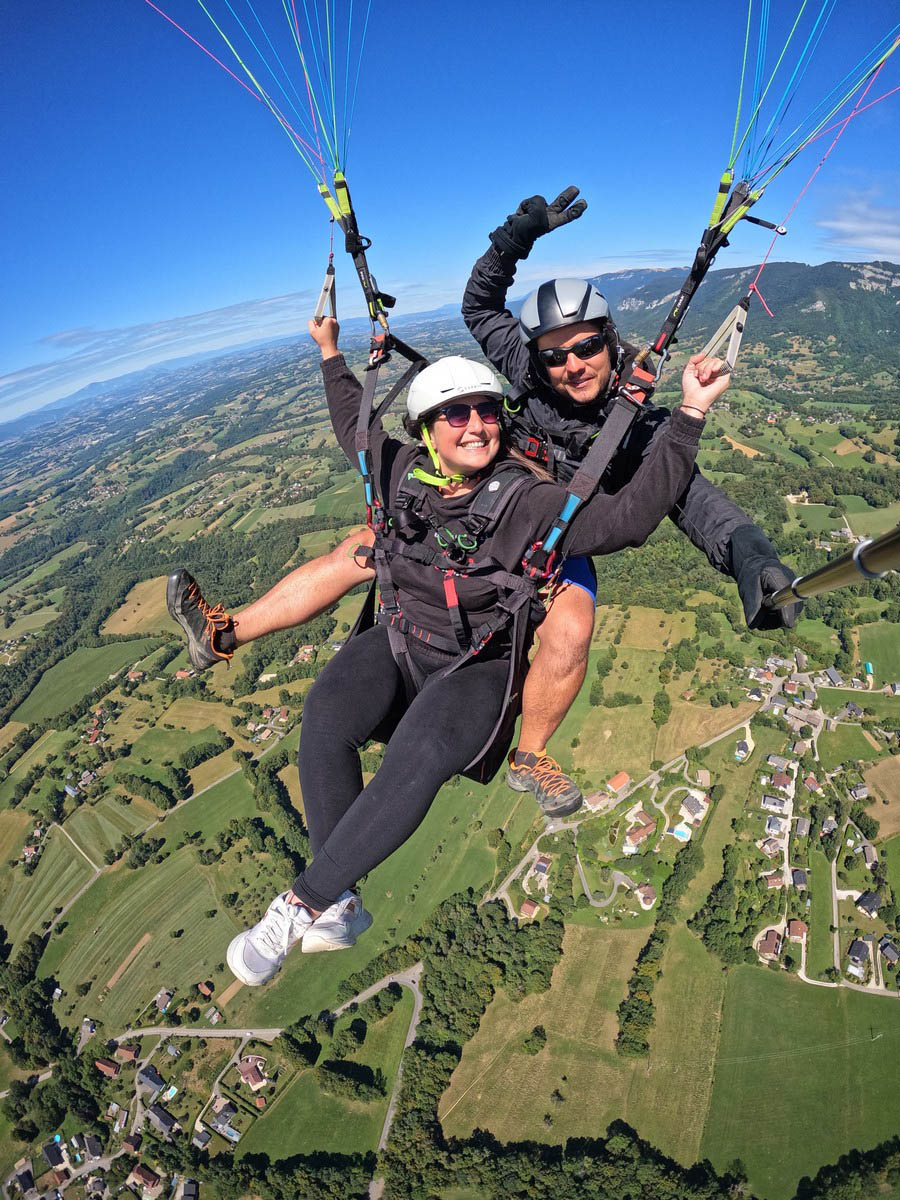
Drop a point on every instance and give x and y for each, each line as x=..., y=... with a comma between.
x=518, y=605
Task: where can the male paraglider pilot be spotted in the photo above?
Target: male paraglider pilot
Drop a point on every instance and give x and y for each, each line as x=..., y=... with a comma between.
x=564, y=358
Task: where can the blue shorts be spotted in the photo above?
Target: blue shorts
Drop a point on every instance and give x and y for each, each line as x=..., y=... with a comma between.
x=580, y=573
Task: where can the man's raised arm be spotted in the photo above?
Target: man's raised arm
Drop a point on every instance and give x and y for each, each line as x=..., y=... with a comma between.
x=484, y=303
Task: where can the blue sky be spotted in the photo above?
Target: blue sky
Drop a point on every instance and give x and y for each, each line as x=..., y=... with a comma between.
x=152, y=209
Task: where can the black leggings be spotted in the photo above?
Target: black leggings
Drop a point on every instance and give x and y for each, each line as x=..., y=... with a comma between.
x=354, y=828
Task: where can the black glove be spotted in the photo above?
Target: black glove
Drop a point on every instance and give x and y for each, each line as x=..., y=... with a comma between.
x=532, y=219
x=759, y=573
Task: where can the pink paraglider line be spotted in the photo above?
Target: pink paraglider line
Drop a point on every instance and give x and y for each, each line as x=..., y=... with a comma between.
x=267, y=101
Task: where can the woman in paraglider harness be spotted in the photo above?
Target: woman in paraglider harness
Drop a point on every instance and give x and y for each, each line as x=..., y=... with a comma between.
x=434, y=675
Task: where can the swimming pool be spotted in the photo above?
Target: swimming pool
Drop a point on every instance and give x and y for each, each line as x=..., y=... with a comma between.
x=682, y=833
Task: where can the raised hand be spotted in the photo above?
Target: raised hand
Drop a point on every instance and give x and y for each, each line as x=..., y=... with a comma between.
x=533, y=218
x=703, y=381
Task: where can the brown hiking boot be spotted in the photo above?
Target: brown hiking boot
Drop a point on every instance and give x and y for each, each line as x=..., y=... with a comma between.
x=557, y=795
x=203, y=623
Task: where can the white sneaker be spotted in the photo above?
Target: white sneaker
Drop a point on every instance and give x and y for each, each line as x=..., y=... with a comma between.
x=338, y=927
x=255, y=955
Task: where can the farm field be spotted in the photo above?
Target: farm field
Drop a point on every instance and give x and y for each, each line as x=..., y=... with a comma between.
x=884, y=784
x=446, y=854
x=41, y=572
x=815, y=517
x=73, y=678
x=499, y=1087
x=692, y=723
x=98, y=827
x=880, y=645
x=143, y=611
x=874, y=521
x=819, y=943
x=793, y=1057
x=35, y=620
x=847, y=743
x=308, y=1119
x=14, y=826
x=31, y=899
x=8, y=734
x=51, y=742
x=121, y=909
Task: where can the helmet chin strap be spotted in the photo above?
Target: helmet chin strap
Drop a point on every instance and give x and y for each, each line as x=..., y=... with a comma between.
x=438, y=479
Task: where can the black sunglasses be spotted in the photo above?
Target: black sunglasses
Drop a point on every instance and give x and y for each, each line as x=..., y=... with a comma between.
x=556, y=356
x=457, y=415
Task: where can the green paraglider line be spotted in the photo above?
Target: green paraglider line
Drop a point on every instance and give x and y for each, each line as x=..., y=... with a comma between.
x=752, y=123
x=263, y=94
x=737, y=116
x=788, y=96
x=872, y=75
x=299, y=143
x=858, y=73
x=314, y=103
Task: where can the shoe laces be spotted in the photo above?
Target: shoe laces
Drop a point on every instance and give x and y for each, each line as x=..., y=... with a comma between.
x=274, y=930
x=550, y=776
x=217, y=619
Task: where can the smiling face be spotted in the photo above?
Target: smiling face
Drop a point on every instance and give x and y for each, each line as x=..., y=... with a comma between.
x=468, y=449
x=581, y=380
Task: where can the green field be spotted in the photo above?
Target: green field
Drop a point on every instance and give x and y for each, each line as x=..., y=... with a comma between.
x=799, y=1079
x=815, y=517
x=307, y=1119
x=847, y=743
x=874, y=521
x=31, y=899
x=123, y=905
x=41, y=572
x=71, y=680
x=879, y=644
x=446, y=854
x=98, y=827
x=112, y=918
x=819, y=943
x=52, y=742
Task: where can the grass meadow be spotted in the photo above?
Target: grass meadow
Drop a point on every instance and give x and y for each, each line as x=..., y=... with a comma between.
x=52, y=742
x=819, y=943
x=31, y=899
x=803, y=1075
x=880, y=645
x=143, y=611
x=98, y=827
x=116, y=913
x=884, y=786
x=874, y=521
x=70, y=680
x=307, y=1119
x=847, y=743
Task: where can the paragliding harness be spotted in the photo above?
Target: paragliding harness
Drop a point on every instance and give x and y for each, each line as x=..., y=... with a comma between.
x=399, y=524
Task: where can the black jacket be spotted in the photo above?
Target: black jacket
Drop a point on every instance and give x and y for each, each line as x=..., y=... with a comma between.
x=702, y=511
x=604, y=524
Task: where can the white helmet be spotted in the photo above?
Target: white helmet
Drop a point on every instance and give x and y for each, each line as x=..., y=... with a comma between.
x=447, y=380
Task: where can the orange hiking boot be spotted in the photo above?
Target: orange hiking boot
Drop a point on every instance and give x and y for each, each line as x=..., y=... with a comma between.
x=203, y=623
x=557, y=795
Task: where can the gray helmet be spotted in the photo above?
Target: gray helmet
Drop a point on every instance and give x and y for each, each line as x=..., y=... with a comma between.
x=558, y=303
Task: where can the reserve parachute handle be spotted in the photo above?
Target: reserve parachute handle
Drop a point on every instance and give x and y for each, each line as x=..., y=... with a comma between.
x=873, y=558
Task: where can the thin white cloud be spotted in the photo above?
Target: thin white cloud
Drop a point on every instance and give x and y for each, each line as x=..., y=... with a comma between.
x=861, y=226
x=96, y=355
